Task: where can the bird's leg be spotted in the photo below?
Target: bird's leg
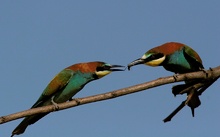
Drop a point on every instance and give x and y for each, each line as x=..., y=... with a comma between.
x=168, y=118
x=56, y=107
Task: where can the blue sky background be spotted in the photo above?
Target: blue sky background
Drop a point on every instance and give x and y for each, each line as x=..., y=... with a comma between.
x=40, y=38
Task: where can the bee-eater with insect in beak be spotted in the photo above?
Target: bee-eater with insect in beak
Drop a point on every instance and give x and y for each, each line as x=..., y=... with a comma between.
x=178, y=58
x=65, y=85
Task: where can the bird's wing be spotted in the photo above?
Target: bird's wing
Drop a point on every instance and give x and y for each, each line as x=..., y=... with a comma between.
x=56, y=85
x=193, y=56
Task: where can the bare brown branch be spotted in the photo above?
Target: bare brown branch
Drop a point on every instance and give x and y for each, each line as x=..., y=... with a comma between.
x=207, y=75
x=201, y=86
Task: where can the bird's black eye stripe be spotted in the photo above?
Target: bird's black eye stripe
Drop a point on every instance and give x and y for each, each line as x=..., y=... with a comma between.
x=155, y=56
x=99, y=69
x=103, y=68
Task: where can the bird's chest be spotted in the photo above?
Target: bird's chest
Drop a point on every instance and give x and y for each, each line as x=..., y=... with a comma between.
x=76, y=83
x=177, y=63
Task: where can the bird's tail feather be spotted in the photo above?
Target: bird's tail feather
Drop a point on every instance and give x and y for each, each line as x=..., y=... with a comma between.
x=26, y=122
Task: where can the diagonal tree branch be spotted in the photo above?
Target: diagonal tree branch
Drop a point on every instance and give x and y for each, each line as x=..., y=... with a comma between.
x=207, y=75
x=183, y=104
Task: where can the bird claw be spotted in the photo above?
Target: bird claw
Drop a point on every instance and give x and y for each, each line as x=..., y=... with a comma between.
x=56, y=107
x=77, y=101
x=206, y=73
x=175, y=76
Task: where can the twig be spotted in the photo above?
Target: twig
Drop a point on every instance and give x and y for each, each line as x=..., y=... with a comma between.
x=215, y=73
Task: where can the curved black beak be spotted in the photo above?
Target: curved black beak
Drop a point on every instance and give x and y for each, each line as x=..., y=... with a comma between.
x=117, y=68
x=136, y=62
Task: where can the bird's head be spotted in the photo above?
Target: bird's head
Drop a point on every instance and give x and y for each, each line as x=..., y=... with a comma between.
x=98, y=68
x=152, y=57
x=103, y=69
x=156, y=56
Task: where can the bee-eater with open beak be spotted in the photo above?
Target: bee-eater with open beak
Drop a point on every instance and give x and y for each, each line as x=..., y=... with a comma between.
x=178, y=58
x=65, y=85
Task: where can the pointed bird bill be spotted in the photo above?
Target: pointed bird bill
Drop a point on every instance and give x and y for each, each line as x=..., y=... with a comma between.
x=117, y=68
x=136, y=62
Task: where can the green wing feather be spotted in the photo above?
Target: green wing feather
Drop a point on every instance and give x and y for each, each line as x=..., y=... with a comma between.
x=193, y=56
x=56, y=85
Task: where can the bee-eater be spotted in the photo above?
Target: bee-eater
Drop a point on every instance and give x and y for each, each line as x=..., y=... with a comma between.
x=65, y=85
x=178, y=58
